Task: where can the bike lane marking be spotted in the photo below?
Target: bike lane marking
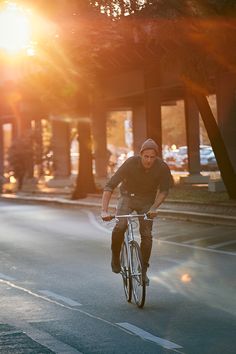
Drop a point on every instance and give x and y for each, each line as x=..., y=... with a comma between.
x=64, y=299
x=207, y=249
x=222, y=244
x=194, y=240
x=148, y=336
x=124, y=327
x=55, y=302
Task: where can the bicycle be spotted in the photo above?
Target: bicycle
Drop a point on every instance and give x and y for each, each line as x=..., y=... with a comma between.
x=134, y=281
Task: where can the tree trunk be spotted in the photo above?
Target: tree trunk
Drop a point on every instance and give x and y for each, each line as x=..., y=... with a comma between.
x=85, y=180
x=226, y=168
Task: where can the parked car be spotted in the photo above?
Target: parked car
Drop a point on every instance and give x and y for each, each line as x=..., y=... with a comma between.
x=205, y=152
x=208, y=159
x=171, y=158
x=182, y=158
x=212, y=163
x=178, y=159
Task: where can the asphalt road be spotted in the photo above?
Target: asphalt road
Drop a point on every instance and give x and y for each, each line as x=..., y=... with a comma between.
x=57, y=288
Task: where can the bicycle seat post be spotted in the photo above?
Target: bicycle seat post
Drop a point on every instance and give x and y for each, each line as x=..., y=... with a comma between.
x=130, y=234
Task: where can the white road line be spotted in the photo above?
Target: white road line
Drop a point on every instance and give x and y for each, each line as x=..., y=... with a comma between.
x=171, y=260
x=148, y=336
x=66, y=300
x=29, y=292
x=193, y=240
x=96, y=224
x=6, y=277
x=181, y=263
x=199, y=248
x=226, y=243
x=170, y=236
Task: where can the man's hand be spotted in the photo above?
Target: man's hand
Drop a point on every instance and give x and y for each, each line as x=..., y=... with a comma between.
x=106, y=216
x=152, y=213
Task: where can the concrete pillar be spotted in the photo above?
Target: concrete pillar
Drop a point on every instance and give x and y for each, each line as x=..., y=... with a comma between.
x=14, y=130
x=26, y=127
x=22, y=119
x=152, y=99
x=193, y=135
x=139, y=127
x=100, y=139
x=61, y=148
x=153, y=115
x=38, y=129
x=193, y=143
x=226, y=112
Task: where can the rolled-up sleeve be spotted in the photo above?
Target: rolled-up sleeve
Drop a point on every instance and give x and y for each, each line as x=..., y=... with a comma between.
x=166, y=180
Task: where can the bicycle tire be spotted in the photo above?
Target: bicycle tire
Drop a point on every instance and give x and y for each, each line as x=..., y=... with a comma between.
x=138, y=283
x=125, y=272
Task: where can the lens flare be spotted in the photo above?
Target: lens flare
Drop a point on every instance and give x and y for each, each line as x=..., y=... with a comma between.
x=186, y=278
x=15, y=32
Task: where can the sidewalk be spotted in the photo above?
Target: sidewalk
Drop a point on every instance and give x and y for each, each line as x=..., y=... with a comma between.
x=214, y=213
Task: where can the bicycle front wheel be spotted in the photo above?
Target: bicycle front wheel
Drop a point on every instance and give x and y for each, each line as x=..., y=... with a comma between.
x=125, y=272
x=138, y=283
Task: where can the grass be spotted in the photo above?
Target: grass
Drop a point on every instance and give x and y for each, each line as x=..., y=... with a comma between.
x=200, y=194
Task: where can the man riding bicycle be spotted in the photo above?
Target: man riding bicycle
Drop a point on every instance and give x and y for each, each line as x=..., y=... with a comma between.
x=144, y=184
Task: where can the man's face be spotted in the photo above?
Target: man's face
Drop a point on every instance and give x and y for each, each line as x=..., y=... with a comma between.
x=148, y=157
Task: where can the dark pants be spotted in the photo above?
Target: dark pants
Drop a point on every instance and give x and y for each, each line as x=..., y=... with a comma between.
x=125, y=206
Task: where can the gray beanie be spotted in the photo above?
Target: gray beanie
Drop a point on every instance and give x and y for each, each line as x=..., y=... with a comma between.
x=149, y=144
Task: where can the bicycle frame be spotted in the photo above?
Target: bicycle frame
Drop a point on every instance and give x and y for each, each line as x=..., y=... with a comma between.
x=131, y=264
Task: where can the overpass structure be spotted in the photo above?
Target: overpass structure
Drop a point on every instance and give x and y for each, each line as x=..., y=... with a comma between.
x=143, y=93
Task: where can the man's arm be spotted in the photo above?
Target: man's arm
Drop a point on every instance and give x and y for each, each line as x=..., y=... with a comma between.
x=110, y=186
x=106, y=197
x=159, y=199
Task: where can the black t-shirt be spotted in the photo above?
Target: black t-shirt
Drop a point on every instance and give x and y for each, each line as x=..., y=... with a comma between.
x=141, y=182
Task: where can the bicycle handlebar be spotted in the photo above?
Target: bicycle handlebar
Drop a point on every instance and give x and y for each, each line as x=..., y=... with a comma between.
x=127, y=216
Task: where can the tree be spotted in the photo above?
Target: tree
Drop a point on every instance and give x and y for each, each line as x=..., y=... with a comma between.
x=21, y=156
x=85, y=181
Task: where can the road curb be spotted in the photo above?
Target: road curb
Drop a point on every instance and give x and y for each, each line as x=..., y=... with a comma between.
x=163, y=212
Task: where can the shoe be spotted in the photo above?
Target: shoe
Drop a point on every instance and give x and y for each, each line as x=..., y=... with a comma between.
x=147, y=281
x=115, y=264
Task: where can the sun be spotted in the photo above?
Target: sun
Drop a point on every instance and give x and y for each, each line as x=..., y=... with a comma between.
x=15, y=31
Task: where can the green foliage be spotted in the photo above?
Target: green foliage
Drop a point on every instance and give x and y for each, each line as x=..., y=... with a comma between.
x=165, y=9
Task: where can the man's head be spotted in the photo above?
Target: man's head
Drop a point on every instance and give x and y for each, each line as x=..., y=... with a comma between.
x=148, y=152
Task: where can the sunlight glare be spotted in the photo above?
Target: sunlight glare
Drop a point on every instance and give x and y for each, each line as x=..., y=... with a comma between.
x=186, y=278
x=15, y=33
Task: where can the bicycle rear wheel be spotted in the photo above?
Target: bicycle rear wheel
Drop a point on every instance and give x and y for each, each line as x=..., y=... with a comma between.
x=138, y=283
x=125, y=272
